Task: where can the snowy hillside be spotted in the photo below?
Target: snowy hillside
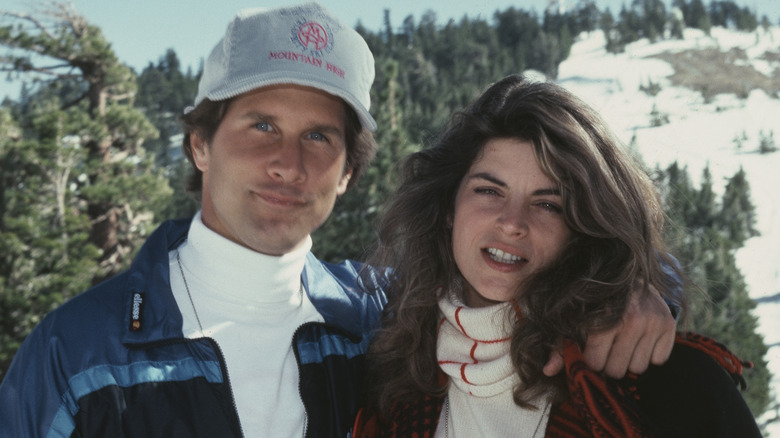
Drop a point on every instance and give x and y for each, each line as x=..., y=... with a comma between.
x=701, y=132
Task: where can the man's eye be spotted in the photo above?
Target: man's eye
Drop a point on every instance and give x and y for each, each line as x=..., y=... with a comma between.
x=262, y=126
x=317, y=136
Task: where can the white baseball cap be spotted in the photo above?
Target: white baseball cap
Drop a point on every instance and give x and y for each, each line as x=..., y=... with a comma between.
x=304, y=45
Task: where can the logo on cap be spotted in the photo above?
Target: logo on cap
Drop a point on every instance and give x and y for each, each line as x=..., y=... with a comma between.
x=312, y=37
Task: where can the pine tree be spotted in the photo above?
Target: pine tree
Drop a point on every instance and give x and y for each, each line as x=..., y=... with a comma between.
x=766, y=143
x=704, y=235
x=45, y=253
x=737, y=217
x=163, y=93
x=349, y=231
x=611, y=35
x=164, y=90
x=77, y=188
x=118, y=179
x=587, y=15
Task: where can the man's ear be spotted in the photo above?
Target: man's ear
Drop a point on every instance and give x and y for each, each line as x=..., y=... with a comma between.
x=200, y=152
x=344, y=182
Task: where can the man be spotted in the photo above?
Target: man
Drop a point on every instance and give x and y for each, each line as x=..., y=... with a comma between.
x=226, y=325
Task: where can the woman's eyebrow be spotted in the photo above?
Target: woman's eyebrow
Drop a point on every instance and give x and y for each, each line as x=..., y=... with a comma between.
x=554, y=191
x=547, y=192
x=488, y=177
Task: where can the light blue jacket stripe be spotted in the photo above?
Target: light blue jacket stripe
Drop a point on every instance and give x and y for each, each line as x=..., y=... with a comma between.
x=125, y=376
x=330, y=345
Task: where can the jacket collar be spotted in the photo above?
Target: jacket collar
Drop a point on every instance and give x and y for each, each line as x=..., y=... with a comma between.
x=152, y=315
x=334, y=291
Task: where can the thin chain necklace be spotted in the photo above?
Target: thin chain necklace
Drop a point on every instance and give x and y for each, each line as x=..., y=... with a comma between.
x=186, y=286
x=447, y=417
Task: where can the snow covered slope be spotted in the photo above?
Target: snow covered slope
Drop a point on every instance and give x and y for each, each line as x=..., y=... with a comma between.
x=700, y=132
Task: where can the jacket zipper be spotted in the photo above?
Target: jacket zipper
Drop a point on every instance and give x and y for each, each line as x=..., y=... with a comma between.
x=223, y=367
x=306, y=430
x=300, y=389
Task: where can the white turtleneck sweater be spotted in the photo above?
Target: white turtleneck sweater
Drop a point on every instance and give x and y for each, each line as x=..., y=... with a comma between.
x=473, y=351
x=250, y=304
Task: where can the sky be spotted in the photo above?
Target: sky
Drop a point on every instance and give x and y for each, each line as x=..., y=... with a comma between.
x=142, y=30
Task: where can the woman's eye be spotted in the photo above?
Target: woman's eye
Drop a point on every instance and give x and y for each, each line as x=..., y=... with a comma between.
x=550, y=207
x=486, y=191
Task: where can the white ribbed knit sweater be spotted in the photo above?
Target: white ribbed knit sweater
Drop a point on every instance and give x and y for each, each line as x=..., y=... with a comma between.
x=473, y=351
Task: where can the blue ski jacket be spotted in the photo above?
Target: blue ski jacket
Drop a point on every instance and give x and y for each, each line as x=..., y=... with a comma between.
x=113, y=361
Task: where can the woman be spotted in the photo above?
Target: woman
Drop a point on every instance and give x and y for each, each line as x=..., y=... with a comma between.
x=525, y=226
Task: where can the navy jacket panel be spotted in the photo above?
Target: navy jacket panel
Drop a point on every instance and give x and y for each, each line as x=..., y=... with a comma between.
x=691, y=396
x=332, y=367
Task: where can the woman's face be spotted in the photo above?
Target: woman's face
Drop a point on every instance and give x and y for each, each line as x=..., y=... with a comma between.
x=508, y=221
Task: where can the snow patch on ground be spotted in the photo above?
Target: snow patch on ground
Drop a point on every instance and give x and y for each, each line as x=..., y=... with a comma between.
x=700, y=134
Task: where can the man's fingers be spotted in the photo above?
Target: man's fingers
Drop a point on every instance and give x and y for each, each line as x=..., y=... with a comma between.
x=598, y=348
x=664, y=345
x=640, y=359
x=663, y=327
x=644, y=335
x=654, y=350
x=623, y=351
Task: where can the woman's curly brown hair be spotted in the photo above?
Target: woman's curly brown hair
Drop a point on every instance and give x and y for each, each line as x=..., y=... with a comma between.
x=610, y=204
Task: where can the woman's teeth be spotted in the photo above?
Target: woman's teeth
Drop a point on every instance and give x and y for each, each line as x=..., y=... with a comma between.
x=503, y=257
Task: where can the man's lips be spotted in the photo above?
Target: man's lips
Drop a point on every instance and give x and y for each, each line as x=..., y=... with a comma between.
x=283, y=198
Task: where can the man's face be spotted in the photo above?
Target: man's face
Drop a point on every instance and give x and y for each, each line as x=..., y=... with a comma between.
x=274, y=167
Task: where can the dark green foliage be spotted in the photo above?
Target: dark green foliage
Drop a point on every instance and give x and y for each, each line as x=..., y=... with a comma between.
x=766, y=144
x=643, y=19
x=77, y=186
x=650, y=19
x=657, y=117
x=587, y=15
x=181, y=204
x=694, y=14
x=737, y=217
x=45, y=253
x=651, y=88
x=611, y=35
x=163, y=93
x=96, y=91
x=704, y=233
x=349, y=231
x=728, y=14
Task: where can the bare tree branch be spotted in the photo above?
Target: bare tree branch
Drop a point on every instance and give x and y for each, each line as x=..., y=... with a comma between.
x=43, y=70
x=32, y=19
